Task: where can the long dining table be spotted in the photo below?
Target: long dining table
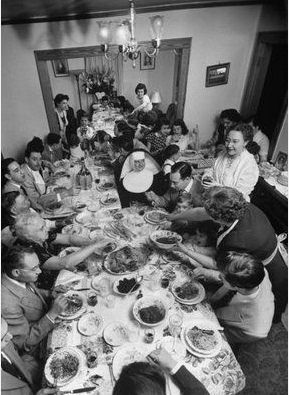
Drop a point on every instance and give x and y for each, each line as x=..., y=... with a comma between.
x=119, y=337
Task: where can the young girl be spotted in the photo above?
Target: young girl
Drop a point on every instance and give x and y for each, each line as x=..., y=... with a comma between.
x=180, y=135
x=170, y=155
x=76, y=153
x=156, y=141
x=143, y=102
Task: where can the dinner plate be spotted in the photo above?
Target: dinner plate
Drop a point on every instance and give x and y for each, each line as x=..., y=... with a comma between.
x=193, y=348
x=151, y=217
x=108, y=200
x=197, y=299
x=86, y=219
x=174, y=347
x=127, y=354
x=68, y=355
x=90, y=324
x=62, y=212
x=80, y=311
x=116, y=333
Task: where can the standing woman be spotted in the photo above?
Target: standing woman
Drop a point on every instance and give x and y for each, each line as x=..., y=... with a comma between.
x=143, y=102
x=65, y=117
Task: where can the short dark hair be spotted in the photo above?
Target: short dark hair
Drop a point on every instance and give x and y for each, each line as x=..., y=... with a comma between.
x=240, y=269
x=4, y=169
x=101, y=135
x=53, y=138
x=170, y=150
x=255, y=119
x=126, y=143
x=224, y=203
x=232, y=114
x=13, y=259
x=73, y=140
x=183, y=168
x=210, y=229
x=8, y=200
x=59, y=98
x=141, y=86
x=35, y=145
x=253, y=147
x=181, y=123
x=140, y=378
x=149, y=118
x=245, y=129
x=105, y=98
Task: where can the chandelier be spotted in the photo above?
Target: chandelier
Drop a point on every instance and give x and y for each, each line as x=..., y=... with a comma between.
x=123, y=34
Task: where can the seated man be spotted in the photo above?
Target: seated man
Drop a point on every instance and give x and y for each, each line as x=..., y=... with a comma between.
x=12, y=176
x=34, y=183
x=16, y=375
x=181, y=183
x=25, y=307
x=52, y=149
x=259, y=137
x=244, y=304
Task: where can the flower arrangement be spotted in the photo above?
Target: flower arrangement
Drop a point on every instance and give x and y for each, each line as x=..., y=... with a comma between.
x=99, y=80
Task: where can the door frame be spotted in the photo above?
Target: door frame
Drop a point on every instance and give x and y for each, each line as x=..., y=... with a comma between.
x=182, y=45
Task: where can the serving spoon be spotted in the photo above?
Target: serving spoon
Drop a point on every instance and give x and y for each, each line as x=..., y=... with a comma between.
x=138, y=280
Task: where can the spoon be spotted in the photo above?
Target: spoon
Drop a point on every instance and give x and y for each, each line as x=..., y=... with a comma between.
x=138, y=280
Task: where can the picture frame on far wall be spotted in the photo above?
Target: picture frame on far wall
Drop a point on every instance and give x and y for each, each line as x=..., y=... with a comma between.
x=60, y=67
x=217, y=74
x=147, y=62
x=281, y=162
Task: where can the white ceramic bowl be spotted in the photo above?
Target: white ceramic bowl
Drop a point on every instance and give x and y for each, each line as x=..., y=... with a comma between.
x=147, y=302
x=155, y=236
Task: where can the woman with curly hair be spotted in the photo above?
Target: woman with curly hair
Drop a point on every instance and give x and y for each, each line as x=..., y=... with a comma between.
x=180, y=135
x=244, y=228
x=235, y=167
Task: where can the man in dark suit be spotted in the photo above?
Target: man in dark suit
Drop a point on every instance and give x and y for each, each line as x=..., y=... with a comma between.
x=16, y=377
x=25, y=307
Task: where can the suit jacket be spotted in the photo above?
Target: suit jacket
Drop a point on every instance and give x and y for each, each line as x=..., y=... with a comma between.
x=30, y=186
x=11, y=385
x=51, y=156
x=10, y=187
x=24, y=312
x=188, y=383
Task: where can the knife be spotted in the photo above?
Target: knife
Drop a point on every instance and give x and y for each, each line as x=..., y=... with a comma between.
x=81, y=289
x=78, y=390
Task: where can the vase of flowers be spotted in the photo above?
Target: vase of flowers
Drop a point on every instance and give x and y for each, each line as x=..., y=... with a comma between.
x=99, y=80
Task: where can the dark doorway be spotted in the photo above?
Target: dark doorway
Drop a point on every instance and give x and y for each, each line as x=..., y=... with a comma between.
x=274, y=90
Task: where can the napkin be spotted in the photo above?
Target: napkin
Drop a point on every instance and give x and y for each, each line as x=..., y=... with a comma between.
x=66, y=277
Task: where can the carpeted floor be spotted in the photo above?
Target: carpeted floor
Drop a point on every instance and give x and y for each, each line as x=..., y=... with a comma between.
x=265, y=364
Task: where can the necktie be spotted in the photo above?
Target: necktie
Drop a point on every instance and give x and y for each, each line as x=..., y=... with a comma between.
x=23, y=190
x=12, y=369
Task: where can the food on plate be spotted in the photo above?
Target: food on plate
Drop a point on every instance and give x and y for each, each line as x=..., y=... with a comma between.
x=110, y=200
x=126, y=259
x=118, y=216
x=74, y=305
x=109, y=248
x=188, y=290
x=156, y=216
x=64, y=366
x=107, y=185
x=53, y=206
x=152, y=314
x=121, y=230
x=167, y=240
x=202, y=339
x=126, y=285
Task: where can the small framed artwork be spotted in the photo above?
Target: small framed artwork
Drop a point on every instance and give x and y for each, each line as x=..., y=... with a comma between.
x=60, y=67
x=217, y=74
x=281, y=162
x=147, y=62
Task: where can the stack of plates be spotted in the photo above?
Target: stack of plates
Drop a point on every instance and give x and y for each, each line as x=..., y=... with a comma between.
x=156, y=217
x=203, y=345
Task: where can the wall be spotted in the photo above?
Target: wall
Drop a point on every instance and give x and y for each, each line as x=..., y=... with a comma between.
x=223, y=34
x=282, y=142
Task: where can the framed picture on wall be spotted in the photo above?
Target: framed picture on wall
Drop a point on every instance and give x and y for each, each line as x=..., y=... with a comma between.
x=60, y=67
x=217, y=74
x=146, y=62
x=281, y=162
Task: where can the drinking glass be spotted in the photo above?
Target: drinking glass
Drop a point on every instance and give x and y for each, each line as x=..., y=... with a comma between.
x=149, y=335
x=175, y=326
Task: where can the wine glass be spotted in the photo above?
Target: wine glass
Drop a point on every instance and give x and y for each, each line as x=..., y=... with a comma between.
x=175, y=327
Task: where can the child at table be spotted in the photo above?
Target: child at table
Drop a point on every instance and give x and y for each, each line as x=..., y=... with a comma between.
x=85, y=131
x=156, y=140
x=170, y=155
x=76, y=153
x=102, y=141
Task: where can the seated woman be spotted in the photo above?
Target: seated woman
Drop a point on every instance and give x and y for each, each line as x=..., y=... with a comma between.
x=143, y=378
x=52, y=149
x=142, y=101
x=244, y=228
x=244, y=304
x=156, y=140
x=180, y=135
x=31, y=230
x=139, y=173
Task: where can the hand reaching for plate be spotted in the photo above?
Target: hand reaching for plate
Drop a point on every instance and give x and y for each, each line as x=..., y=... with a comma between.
x=210, y=275
x=59, y=305
x=162, y=357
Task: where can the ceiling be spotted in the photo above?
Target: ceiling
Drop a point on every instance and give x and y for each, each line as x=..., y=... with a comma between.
x=27, y=11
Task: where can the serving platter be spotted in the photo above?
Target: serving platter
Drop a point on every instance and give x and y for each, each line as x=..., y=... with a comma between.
x=77, y=305
x=118, y=262
x=116, y=333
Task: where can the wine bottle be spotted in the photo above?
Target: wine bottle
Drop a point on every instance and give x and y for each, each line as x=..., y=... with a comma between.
x=84, y=177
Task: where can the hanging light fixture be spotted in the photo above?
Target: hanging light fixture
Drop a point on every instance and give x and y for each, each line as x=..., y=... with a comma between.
x=124, y=36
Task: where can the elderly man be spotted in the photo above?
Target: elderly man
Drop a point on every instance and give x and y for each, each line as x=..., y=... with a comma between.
x=24, y=306
x=16, y=376
x=181, y=184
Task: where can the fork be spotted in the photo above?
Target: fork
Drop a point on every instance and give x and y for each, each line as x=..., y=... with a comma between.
x=108, y=360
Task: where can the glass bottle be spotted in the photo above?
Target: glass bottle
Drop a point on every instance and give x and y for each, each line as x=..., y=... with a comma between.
x=196, y=133
x=84, y=177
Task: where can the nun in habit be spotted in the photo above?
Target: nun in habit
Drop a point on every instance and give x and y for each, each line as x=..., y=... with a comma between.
x=140, y=173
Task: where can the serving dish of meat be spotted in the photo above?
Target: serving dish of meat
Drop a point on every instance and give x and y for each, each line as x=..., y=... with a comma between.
x=155, y=217
x=150, y=310
x=126, y=260
x=126, y=285
x=188, y=292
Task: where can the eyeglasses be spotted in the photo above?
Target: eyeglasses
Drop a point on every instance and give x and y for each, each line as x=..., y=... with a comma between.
x=34, y=269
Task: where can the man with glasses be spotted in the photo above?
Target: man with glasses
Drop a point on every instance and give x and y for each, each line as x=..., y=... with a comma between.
x=25, y=307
